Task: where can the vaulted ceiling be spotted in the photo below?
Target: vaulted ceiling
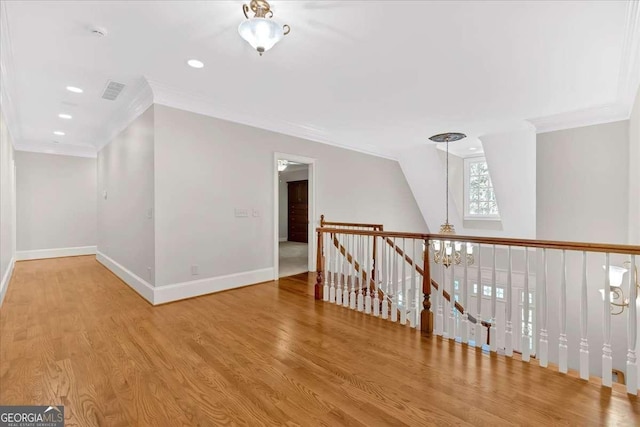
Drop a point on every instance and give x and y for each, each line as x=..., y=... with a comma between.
x=376, y=76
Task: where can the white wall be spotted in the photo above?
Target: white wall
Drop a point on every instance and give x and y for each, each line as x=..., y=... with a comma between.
x=56, y=202
x=7, y=206
x=206, y=167
x=583, y=187
x=285, y=177
x=634, y=173
x=511, y=157
x=126, y=215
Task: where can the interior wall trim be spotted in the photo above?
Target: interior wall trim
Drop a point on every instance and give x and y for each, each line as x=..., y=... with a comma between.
x=194, y=288
x=4, y=285
x=141, y=286
x=55, y=253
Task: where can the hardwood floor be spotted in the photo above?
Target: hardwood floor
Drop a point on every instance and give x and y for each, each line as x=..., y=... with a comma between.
x=71, y=333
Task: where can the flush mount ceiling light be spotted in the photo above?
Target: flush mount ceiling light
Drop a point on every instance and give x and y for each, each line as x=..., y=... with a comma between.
x=74, y=89
x=65, y=116
x=260, y=31
x=194, y=63
x=58, y=132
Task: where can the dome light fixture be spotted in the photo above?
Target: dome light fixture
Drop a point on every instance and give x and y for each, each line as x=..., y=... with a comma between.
x=260, y=31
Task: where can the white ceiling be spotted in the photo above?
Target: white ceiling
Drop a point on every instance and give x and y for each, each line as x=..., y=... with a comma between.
x=377, y=76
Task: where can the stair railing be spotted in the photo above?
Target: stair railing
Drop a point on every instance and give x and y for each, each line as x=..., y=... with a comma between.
x=567, y=269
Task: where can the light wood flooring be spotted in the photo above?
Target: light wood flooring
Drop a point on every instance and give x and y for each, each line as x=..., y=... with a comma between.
x=71, y=333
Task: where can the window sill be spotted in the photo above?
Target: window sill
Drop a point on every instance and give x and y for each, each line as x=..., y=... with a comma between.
x=482, y=218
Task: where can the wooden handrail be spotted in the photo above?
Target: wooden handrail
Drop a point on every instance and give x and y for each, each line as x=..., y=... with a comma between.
x=531, y=243
x=350, y=224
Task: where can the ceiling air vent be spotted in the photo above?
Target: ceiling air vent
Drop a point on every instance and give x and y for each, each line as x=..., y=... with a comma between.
x=112, y=90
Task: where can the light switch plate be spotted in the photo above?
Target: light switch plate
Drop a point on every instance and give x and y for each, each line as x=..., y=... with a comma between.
x=241, y=213
x=256, y=213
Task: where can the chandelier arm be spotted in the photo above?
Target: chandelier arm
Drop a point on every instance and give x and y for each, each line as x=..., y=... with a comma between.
x=286, y=28
x=245, y=10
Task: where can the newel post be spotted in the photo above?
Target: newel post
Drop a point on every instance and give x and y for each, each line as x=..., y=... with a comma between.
x=426, y=316
x=319, y=268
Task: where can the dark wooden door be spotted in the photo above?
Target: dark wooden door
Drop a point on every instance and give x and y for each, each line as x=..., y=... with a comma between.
x=298, y=211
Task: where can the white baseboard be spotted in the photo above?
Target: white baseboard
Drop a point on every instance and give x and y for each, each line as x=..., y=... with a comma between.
x=145, y=289
x=194, y=288
x=4, y=284
x=55, y=253
x=283, y=239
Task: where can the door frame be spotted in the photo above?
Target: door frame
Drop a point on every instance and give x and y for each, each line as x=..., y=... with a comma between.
x=313, y=223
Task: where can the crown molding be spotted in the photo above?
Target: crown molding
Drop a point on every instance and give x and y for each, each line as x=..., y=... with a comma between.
x=77, y=150
x=196, y=103
x=580, y=118
x=628, y=82
x=138, y=98
x=7, y=98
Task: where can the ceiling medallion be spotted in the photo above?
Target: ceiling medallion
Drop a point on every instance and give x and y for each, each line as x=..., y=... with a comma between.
x=260, y=31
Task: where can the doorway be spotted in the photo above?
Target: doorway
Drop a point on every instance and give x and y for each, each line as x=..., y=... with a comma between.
x=294, y=215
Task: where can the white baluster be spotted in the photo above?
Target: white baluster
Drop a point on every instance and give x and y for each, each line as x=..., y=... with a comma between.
x=413, y=321
x=340, y=272
x=403, y=291
x=632, y=334
x=478, y=329
x=361, y=274
x=544, y=336
x=385, y=279
x=464, y=326
x=493, y=343
x=327, y=266
x=354, y=273
x=451, y=328
x=508, y=330
x=334, y=260
x=377, y=276
x=607, y=354
x=367, y=299
x=584, y=322
x=394, y=285
x=526, y=344
x=347, y=277
x=563, y=350
x=440, y=310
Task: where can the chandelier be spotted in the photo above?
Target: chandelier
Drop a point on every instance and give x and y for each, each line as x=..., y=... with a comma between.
x=444, y=252
x=260, y=31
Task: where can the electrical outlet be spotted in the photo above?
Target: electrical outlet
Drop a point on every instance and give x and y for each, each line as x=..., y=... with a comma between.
x=194, y=270
x=149, y=273
x=150, y=213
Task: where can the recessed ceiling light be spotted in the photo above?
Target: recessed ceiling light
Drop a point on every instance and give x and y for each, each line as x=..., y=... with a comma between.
x=56, y=142
x=194, y=63
x=65, y=116
x=472, y=148
x=74, y=89
x=58, y=132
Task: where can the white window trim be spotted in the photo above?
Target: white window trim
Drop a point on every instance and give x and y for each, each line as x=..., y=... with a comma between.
x=467, y=215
